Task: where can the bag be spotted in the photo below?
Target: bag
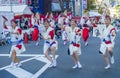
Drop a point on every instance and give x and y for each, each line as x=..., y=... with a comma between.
x=68, y=51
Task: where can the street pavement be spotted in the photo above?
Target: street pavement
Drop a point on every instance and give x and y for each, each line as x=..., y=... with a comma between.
x=35, y=65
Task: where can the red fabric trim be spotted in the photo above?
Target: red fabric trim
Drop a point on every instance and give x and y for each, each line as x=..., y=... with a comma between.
x=78, y=30
x=85, y=34
x=108, y=42
x=19, y=30
x=77, y=33
x=51, y=34
x=5, y=27
x=112, y=30
x=94, y=25
x=19, y=46
x=35, y=34
x=76, y=45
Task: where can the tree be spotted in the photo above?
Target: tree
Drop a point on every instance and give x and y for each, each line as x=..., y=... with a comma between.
x=91, y=5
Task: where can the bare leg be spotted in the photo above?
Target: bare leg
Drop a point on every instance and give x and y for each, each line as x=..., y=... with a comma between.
x=107, y=61
x=110, y=51
x=111, y=54
x=75, y=57
x=13, y=55
x=16, y=59
x=47, y=56
x=53, y=49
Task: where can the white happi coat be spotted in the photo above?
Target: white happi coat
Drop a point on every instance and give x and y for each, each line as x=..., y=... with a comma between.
x=52, y=23
x=107, y=40
x=17, y=41
x=49, y=33
x=64, y=33
x=95, y=30
x=67, y=20
x=74, y=39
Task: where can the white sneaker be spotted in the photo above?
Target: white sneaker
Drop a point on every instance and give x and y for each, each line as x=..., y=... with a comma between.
x=112, y=60
x=108, y=66
x=79, y=65
x=51, y=65
x=12, y=64
x=75, y=66
x=18, y=64
x=54, y=63
x=86, y=44
x=37, y=43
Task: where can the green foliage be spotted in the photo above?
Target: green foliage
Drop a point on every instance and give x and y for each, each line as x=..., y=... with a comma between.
x=91, y=5
x=100, y=10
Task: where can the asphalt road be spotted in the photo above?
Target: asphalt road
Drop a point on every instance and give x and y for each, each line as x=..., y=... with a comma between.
x=35, y=65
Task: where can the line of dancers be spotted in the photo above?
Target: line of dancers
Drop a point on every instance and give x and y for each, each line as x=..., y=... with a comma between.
x=70, y=33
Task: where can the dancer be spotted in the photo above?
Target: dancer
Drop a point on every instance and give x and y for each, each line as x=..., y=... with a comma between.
x=50, y=43
x=36, y=24
x=107, y=43
x=17, y=42
x=74, y=35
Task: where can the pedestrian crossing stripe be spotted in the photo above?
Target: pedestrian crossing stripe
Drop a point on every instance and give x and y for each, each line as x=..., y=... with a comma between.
x=21, y=73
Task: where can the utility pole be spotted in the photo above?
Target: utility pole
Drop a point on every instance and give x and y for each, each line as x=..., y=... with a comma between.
x=10, y=5
x=73, y=6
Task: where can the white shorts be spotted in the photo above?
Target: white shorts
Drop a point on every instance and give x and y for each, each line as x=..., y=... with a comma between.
x=74, y=49
x=18, y=51
x=104, y=47
x=47, y=46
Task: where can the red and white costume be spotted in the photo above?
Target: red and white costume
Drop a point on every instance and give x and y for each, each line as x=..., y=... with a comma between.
x=17, y=40
x=49, y=33
x=74, y=38
x=107, y=40
x=95, y=29
x=36, y=24
x=52, y=23
x=64, y=33
x=85, y=32
x=67, y=20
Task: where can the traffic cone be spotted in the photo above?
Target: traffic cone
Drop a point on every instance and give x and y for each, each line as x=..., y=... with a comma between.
x=25, y=38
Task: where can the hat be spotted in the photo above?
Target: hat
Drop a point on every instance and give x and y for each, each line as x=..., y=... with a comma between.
x=5, y=18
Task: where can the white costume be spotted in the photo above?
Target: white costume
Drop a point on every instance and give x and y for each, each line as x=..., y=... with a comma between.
x=107, y=38
x=49, y=33
x=52, y=23
x=64, y=34
x=95, y=30
x=74, y=39
x=17, y=40
x=67, y=20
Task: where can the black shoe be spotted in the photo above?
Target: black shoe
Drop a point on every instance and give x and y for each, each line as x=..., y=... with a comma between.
x=100, y=52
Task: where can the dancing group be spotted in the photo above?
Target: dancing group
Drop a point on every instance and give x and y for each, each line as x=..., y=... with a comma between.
x=70, y=33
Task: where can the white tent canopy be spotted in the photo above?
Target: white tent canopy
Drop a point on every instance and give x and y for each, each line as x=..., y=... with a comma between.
x=16, y=9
